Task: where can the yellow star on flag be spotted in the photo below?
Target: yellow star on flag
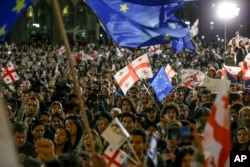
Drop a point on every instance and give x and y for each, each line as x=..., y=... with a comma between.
x=20, y=5
x=172, y=25
x=124, y=8
x=166, y=37
x=2, y=30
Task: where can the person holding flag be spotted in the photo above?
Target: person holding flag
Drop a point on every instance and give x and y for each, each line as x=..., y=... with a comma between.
x=138, y=139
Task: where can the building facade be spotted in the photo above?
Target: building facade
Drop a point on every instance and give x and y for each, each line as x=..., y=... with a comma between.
x=39, y=24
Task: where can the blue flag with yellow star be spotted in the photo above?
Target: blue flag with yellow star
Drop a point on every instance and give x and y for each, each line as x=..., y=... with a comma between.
x=134, y=25
x=10, y=11
x=178, y=44
x=161, y=84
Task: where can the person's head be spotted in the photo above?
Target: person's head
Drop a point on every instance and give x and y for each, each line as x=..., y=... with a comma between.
x=138, y=140
x=32, y=106
x=118, y=100
x=184, y=157
x=62, y=138
x=101, y=124
x=234, y=111
x=56, y=107
x=212, y=72
x=235, y=97
x=179, y=95
x=128, y=121
x=201, y=114
x=241, y=137
x=171, y=110
x=151, y=114
x=184, y=111
x=19, y=131
x=56, y=121
x=85, y=142
x=127, y=105
x=36, y=130
x=75, y=126
x=244, y=116
x=205, y=96
x=246, y=96
x=45, y=117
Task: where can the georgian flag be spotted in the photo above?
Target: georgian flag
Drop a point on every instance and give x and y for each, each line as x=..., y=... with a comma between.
x=10, y=74
x=126, y=78
x=114, y=157
x=217, y=134
x=194, y=29
x=170, y=72
x=142, y=67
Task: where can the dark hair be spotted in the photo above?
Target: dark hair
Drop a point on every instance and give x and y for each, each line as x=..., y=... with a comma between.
x=67, y=146
x=32, y=126
x=170, y=106
x=181, y=154
x=236, y=107
x=70, y=159
x=19, y=127
x=127, y=114
x=140, y=132
x=79, y=125
x=234, y=96
x=133, y=110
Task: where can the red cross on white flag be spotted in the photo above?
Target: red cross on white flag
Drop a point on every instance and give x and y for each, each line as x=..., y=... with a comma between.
x=114, y=157
x=142, y=67
x=170, y=72
x=126, y=77
x=10, y=74
x=217, y=133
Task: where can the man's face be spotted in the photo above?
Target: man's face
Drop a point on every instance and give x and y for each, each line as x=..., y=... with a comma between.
x=128, y=123
x=246, y=117
x=31, y=107
x=20, y=138
x=137, y=143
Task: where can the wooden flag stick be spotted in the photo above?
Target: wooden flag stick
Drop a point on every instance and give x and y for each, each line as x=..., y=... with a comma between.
x=72, y=69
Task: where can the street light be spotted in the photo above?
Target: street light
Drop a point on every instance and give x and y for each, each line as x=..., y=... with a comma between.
x=227, y=10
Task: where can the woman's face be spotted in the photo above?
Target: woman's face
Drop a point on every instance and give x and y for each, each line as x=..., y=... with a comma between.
x=243, y=136
x=56, y=123
x=56, y=108
x=60, y=136
x=102, y=125
x=38, y=132
x=186, y=161
x=71, y=126
x=87, y=142
x=126, y=107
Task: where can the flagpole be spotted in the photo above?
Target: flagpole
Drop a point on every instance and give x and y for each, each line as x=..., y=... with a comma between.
x=151, y=96
x=72, y=69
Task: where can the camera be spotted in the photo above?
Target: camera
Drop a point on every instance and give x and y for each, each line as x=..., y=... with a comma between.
x=179, y=133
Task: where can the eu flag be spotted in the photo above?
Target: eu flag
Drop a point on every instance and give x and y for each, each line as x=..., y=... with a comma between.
x=156, y=2
x=10, y=11
x=178, y=44
x=132, y=25
x=161, y=84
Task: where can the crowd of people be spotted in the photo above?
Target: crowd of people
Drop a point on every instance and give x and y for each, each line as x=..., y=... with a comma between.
x=44, y=112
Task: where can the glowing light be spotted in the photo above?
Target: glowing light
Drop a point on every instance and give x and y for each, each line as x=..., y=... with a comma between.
x=227, y=10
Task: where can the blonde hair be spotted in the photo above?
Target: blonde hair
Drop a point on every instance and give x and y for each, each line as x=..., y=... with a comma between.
x=98, y=145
